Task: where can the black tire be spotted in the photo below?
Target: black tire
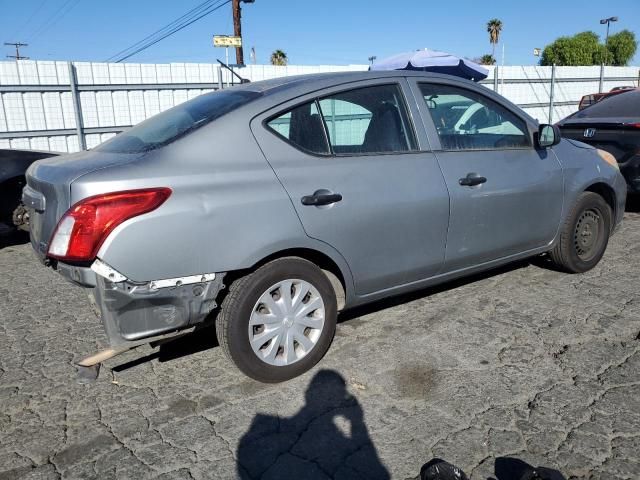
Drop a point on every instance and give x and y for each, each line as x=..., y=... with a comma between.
x=584, y=235
x=232, y=322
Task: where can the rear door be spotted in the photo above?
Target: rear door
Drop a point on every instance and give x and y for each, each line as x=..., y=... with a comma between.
x=362, y=179
x=506, y=195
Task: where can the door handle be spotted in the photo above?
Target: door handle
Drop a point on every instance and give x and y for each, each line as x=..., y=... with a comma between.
x=319, y=199
x=472, y=179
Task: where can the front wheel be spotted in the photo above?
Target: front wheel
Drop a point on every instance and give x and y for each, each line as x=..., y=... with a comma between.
x=584, y=235
x=278, y=321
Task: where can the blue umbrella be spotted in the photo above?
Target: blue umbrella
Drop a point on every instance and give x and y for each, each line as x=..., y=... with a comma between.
x=433, y=61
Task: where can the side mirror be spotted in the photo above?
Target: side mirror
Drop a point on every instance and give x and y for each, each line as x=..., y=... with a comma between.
x=548, y=135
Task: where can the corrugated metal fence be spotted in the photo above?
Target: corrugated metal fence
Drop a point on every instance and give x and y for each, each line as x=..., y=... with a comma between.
x=64, y=106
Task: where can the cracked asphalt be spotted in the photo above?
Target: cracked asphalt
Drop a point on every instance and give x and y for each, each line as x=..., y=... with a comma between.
x=524, y=362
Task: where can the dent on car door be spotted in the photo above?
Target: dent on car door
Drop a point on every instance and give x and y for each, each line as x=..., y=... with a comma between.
x=506, y=195
x=350, y=160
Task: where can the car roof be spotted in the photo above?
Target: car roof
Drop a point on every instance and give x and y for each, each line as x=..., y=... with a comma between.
x=321, y=80
x=282, y=89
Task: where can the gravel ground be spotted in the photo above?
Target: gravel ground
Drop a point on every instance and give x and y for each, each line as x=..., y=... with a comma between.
x=524, y=363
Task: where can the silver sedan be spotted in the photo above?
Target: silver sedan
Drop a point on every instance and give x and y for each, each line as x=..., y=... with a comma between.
x=269, y=207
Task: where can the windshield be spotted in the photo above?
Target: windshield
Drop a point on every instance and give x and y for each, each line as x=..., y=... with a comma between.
x=176, y=122
x=625, y=104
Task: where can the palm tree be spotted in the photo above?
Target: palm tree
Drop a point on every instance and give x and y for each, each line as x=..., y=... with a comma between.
x=494, y=28
x=278, y=57
x=487, y=60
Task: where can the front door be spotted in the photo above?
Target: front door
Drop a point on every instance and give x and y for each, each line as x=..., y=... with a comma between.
x=350, y=161
x=506, y=195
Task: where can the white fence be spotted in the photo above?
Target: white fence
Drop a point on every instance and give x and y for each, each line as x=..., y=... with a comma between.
x=43, y=107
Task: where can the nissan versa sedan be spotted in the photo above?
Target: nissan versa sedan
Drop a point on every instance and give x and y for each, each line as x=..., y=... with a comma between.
x=267, y=208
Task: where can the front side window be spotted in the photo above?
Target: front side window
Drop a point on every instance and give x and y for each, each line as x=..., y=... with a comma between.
x=368, y=120
x=466, y=120
x=302, y=127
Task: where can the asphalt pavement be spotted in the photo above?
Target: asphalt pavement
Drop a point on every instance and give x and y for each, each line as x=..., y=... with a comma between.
x=523, y=364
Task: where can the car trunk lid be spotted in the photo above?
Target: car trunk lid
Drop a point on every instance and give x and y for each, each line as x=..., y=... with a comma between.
x=47, y=194
x=620, y=137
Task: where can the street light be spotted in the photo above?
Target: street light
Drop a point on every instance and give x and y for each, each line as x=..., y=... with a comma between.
x=606, y=39
x=608, y=21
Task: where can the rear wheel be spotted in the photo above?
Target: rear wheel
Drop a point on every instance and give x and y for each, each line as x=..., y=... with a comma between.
x=278, y=321
x=584, y=235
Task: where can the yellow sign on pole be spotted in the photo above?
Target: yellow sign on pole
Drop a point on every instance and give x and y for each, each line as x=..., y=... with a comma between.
x=226, y=41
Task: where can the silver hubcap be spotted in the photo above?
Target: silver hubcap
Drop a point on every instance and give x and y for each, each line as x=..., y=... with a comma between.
x=286, y=322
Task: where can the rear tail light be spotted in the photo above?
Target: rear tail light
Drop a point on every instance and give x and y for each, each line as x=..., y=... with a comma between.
x=85, y=226
x=633, y=125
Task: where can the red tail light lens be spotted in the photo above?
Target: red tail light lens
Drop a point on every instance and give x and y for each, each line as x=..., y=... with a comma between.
x=84, y=227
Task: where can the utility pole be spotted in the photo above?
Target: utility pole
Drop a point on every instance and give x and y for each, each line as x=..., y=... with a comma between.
x=237, y=30
x=17, y=45
x=237, y=27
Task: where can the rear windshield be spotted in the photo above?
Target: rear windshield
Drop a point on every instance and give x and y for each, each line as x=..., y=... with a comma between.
x=176, y=122
x=621, y=105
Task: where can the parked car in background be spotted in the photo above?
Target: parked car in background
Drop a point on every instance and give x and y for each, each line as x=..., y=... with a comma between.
x=593, y=98
x=13, y=165
x=269, y=207
x=612, y=125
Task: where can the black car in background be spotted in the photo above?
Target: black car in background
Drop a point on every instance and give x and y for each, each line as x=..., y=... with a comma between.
x=613, y=125
x=13, y=165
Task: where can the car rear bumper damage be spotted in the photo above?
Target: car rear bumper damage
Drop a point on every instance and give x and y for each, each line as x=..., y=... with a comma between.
x=135, y=313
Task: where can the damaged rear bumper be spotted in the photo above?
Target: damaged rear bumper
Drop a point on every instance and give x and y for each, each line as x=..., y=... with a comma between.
x=139, y=312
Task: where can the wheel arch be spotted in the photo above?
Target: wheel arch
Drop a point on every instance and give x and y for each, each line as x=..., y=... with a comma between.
x=608, y=194
x=340, y=280
x=9, y=188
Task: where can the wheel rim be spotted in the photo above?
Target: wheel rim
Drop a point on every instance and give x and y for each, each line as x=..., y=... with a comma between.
x=286, y=322
x=586, y=238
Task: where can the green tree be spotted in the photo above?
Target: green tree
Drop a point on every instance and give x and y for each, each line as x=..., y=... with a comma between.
x=585, y=49
x=577, y=50
x=278, y=57
x=487, y=59
x=494, y=28
x=622, y=47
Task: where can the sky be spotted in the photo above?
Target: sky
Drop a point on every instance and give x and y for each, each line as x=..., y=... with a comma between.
x=310, y=32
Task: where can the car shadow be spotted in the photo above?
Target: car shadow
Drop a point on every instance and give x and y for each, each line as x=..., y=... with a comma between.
x=326, y=438
x=633, y=204
x=204, y=338
x=444, y=287
x=10, y=237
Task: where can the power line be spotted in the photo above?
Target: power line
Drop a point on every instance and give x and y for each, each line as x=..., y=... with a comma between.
x=194, y=11
x=176, y=29
x=33, y=14
x=58, y=15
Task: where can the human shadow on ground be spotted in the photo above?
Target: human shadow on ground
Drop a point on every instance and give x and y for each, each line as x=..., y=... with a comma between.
x=326, y=438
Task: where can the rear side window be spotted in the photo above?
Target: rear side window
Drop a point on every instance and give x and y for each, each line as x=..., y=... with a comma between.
x=368, y=120
x=356, y=122
x=178, y=121
x=303, y=128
